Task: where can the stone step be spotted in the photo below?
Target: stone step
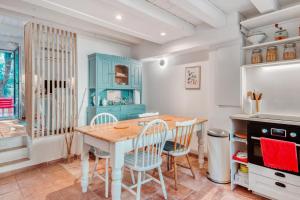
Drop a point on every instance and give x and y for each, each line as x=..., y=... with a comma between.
x=12, y=167
x=13, y=153
x=5, y=164
x=11, y=142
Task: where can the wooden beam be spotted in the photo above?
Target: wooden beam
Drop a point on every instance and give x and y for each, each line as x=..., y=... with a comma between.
x=157, y=13
x=204, y=10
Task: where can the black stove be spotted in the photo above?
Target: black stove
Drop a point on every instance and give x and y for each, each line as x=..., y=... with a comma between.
x=284, y=132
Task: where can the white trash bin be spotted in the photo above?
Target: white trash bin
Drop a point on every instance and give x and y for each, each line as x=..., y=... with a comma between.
x=218, y=156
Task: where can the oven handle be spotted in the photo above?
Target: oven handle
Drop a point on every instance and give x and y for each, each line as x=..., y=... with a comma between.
x=257, y=138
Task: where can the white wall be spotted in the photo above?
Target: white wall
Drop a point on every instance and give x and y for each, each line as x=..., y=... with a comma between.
x=164, y=91
x=280, y=86
x=164, y=88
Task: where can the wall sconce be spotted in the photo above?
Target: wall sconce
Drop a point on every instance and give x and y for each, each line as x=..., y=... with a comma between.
x=162, y=63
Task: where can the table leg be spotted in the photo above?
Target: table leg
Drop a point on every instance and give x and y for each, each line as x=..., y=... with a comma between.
x=85, y=167
x=117, y=162
x=200, y=134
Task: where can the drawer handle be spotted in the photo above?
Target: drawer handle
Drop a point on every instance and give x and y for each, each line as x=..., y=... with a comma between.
x=280, y=174
x=280, y=184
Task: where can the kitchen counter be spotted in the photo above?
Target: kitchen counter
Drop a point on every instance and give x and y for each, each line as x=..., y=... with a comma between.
x=269, y=118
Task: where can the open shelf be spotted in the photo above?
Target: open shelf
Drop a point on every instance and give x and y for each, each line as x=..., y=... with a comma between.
x=121, y=76
x=240, y=162
x=273, y=43
x=276, y=63
x=273, y=17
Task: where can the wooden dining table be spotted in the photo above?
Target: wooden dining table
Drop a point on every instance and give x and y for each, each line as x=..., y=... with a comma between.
x=119, y=138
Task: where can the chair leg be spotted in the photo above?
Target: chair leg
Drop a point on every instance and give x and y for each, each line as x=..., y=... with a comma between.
x=168, y=162
x=188, y=159
x=162, y=183
x=171, y=162
x=106, y=177
x=132, y=176
x=175, y=173
x=95, y=169
x=138, y=189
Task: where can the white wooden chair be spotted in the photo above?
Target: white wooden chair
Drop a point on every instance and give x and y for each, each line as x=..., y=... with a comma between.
x=180, y=146
x=102, y=118
x=147, y=155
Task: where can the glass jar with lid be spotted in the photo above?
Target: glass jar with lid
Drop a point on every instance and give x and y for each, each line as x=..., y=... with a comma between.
x=289, y=51
x=256, y=56
x=271, y=55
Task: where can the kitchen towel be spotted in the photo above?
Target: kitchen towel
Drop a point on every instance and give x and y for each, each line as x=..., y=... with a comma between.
x=279, y=154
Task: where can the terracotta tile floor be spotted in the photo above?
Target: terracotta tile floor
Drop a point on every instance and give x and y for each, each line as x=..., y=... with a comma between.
x=61, y=181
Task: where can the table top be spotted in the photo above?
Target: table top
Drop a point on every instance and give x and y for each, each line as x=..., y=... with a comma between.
x=129, y=129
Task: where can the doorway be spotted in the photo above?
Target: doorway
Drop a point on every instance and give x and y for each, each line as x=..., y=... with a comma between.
x=9, y=84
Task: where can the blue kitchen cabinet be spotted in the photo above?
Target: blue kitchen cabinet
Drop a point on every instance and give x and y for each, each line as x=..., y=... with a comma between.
x=114, y=72
x=109, y=72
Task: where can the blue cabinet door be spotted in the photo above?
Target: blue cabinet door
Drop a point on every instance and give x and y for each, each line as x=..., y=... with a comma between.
x=136, y=75
x=104, y=71
x=92, y=72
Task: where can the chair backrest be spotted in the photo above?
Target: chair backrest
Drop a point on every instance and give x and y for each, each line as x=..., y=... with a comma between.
x=6, y=102
x=150, y=114
x=184, y=131
x=149, y=144
x=103, y=118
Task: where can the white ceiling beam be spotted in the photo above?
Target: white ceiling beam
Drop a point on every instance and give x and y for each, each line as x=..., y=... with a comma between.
x=159, y=14
x=25, y=12
x=264, y=6
x=81, y=10
x=203, y=10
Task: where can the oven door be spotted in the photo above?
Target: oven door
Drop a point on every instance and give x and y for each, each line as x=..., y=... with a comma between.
x=255, y=154
x=254, y=151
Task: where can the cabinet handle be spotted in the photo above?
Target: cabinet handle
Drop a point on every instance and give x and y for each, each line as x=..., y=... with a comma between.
x=280, y=184
x=280, y=174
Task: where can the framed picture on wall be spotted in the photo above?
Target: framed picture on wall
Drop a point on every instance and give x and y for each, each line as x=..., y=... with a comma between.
x=192, y=77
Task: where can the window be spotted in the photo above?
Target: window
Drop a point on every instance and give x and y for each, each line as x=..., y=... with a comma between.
x=9, y=84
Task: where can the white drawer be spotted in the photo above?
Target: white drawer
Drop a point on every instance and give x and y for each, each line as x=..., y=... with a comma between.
x=273, y=188
x=273, y=174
